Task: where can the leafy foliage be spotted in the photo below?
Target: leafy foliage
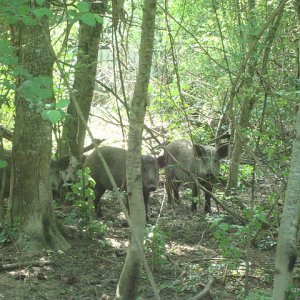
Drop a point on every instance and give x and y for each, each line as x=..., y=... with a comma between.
x=9, y=232
x=3, y=164
x=155, y=242
x=82, y=194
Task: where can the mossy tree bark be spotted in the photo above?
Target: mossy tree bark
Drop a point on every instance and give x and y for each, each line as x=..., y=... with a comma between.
x=286, y=252
x=288, y=237
x=31, y=194
x=85, y=73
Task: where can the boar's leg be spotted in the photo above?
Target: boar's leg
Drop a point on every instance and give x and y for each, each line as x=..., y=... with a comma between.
x=99, y=191
x=146, y=197
x=209, y=187
x=169, y=190
x=175, y=187
x=194, y=194
x=172, y=191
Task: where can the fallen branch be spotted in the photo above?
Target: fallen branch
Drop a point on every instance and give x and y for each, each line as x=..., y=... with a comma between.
x=18, y=265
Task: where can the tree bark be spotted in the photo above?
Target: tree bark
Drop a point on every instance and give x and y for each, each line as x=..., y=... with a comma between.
x=74, y=132
x=130, y=277
x=286, y=252
x=249, y=98
x=30, y=195
x=246, y=106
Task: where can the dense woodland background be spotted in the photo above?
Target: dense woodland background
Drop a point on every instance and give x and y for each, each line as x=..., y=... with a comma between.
x=139, y=75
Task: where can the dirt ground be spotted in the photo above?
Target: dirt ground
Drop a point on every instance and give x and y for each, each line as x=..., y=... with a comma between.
x=88, y=270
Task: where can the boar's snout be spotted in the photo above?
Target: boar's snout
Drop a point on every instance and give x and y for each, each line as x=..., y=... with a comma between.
x=63, y=171
x=149, y=173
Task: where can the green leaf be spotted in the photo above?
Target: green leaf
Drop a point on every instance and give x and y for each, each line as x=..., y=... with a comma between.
x=54, y=116
x=36, y=89
x=7, y=54
x=41, y=12
x=62, y=103
x=83, y=7
x=43, y=80
x=72, y=13
x=44, y=114
x=20, y=70
x=3, y=164
x=98, y=18
x=29, y=21
x=88, y=19
x=12, y=19
x=23, y=10
x=224, y=226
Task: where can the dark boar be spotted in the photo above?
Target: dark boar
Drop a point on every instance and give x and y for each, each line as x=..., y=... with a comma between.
x=5, y=173
x=63, y=170
x=116, y=161
x=186, y=162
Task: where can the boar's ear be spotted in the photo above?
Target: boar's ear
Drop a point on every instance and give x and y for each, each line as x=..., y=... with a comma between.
x=199, y=150
x=222, y=151
x=92, y=145
x=161, y=161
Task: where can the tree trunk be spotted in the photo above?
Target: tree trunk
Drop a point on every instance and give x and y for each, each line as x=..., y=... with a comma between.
x=130, y=277
x=246, y=108
x=30, y=194
x=286, y=253
x=249, y=98
x=85, y=72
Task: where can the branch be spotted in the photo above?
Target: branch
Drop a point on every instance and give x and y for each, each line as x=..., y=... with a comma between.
x=6, y=133
x=204, y=294
x=18, y=265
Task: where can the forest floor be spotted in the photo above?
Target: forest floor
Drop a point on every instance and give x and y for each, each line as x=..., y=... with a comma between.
x=90, y=270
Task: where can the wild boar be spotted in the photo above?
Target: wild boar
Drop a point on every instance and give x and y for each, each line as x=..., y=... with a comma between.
x=186, y=162
x=63, y=170
x=116, y=161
